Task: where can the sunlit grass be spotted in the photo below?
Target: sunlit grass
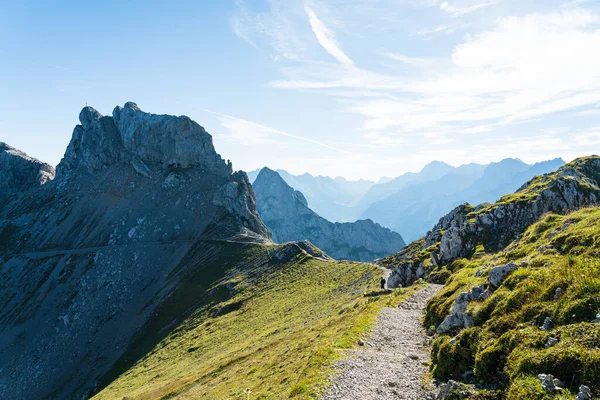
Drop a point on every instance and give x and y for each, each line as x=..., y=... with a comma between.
x=284, y=328
x=507, y=343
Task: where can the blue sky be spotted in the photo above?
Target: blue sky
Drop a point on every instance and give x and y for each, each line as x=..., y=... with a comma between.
x=357, y=88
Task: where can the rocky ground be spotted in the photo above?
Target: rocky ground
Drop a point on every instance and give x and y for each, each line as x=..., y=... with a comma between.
x=394, y=359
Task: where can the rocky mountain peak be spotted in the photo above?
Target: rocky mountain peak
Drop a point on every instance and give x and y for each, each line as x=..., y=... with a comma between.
x=272, y=187
x=150, y=143
x=20, y=172
x=136, y=198
x=286, y=212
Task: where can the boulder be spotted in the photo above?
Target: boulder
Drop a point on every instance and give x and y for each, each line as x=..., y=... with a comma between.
x=497, y=274
x=550, y=383
x=558, y=293
x=446, y=389
x=551, y=342
x=547, y=326
x=585, y=393
x=458, y=317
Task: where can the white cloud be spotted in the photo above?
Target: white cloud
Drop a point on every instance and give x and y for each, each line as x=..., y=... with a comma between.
x=457, y=11
x=478, y=99
x=521, y=69
x=574, y=3
x=327, y=38
x=252, y=133
x=278, y=26
x=406, y=59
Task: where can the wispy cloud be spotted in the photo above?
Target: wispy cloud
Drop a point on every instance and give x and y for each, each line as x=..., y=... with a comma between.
x=457, y=11
x=255, y=133
x=406, y=59
x=278, y=26
x=326, y=38
x=476, y=97
x=574, y=3
x=523, y=68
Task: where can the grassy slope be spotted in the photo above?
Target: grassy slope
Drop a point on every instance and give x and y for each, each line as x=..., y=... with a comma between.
x=506, y=346
x=288, y=319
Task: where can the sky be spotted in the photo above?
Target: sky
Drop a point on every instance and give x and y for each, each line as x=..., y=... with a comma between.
x=353, y=88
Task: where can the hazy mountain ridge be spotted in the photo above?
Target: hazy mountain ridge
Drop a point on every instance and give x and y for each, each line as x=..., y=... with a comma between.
x=286, y=212
x=333, y=198
x=415, y=209
x=413, y=202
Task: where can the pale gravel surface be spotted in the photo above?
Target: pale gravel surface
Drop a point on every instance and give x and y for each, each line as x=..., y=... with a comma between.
x=394, y=360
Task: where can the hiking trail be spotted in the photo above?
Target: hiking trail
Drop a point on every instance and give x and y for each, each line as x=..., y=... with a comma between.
x=394, y=359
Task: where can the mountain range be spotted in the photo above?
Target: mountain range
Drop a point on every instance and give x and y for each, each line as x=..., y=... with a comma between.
x=333, y=198
x=143, y=267
x=144, y=235
x=411, y=203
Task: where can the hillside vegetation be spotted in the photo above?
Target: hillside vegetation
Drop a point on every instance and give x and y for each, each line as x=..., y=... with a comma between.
x=558, y=278
x=283, y=319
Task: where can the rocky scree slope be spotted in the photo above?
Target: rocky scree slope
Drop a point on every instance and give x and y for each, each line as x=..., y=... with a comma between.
x=287, y=214
x=469, y=230
x=87, y=259
x=20, y=173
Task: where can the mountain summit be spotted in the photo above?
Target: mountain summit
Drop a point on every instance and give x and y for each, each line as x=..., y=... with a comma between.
x=286, y=212
x=138, y=200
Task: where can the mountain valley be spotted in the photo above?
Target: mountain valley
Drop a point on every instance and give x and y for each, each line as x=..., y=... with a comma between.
x=144, y=267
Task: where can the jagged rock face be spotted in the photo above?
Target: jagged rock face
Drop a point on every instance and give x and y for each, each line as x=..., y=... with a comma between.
x=20, y=173
x=87, y=258
x=494, y=226
x=147, y=141
x=286, y=212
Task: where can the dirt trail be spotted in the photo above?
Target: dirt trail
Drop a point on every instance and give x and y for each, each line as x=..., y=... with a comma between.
x=394, y=359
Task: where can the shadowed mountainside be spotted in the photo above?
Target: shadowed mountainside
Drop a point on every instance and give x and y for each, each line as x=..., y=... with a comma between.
x=97, y=250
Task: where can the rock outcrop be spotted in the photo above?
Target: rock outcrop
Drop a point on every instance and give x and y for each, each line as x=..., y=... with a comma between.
x=88, y=258
x=458, y=317
x=286, y=212
x=497, y=274
x=20, y=173
x=491, y=227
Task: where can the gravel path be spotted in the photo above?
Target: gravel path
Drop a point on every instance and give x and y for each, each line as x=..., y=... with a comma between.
x=394, y=359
